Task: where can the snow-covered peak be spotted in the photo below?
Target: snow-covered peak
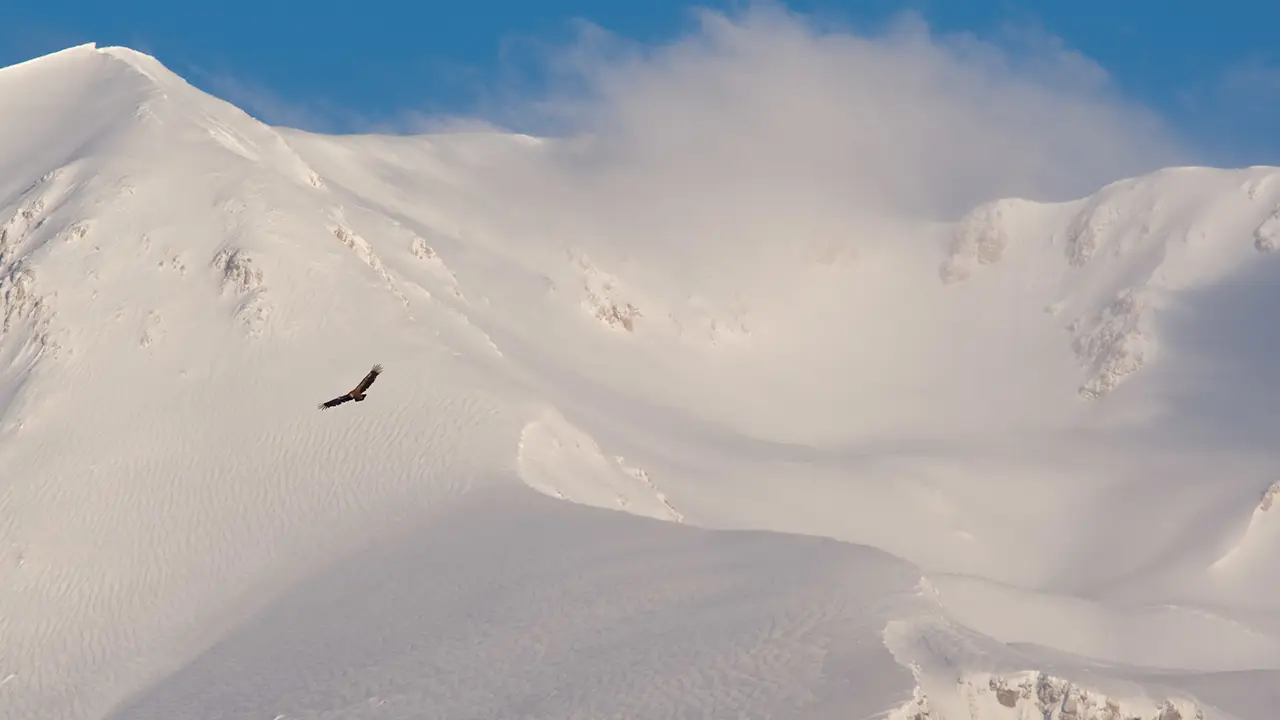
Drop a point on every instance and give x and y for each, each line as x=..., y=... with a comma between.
x=89, y=60
x=1037, y=417
x=116, y=105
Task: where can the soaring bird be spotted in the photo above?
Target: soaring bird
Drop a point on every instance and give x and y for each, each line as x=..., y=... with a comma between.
x=357, y=393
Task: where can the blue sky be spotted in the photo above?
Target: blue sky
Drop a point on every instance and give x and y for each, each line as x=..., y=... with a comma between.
x=1211, y=69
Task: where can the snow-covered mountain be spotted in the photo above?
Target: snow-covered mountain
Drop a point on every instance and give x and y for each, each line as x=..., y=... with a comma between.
x=1017, y=465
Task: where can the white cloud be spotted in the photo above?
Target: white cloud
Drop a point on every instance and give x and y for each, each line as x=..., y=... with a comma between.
x=904, y=119
x=321, y=116
x=762, y=128
x=271, y=107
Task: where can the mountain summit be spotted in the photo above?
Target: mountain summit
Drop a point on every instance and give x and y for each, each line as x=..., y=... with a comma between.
x=1018, y=462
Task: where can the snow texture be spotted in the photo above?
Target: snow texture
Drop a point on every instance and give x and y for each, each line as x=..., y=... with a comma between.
x=1018, y=464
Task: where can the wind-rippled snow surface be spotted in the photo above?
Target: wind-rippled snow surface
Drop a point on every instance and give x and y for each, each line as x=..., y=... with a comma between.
x=1019, y=465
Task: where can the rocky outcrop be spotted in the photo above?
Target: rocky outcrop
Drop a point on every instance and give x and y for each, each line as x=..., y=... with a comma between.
x=244, y=278
x=604, y=298
x=1113, y=343
x=1037, y=695
x=979, y=238
x=1266, y=238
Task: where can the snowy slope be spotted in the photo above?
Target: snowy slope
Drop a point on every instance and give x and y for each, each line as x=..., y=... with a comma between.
x=1015, y=465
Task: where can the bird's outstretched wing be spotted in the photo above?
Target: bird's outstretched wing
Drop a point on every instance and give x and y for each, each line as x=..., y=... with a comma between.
x=336, y=401
x=368, y=380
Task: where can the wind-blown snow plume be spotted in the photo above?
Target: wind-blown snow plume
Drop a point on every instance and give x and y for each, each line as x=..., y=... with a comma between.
x=767, y=134
x=746, y=197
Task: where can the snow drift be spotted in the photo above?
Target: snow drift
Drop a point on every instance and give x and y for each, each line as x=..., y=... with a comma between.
x=1013, y=463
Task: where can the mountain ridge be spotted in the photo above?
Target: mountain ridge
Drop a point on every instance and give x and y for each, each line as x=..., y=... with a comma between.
x=874, y=411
